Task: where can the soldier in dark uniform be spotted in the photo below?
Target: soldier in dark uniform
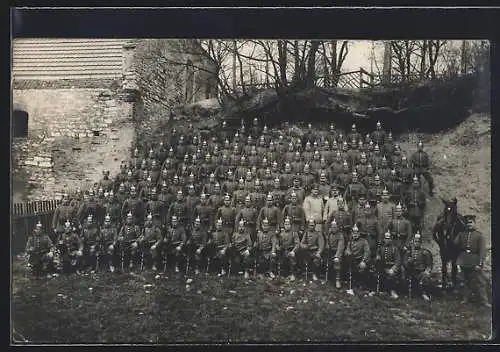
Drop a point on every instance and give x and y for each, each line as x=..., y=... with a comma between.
x=278, y=194
x=417, y=266
x=378, y=136
x=71, y=248
x=287, y=247
x=205, y=213
x=199, y=242
x=354, y=135
x=400, y=229
x=175, y=240
x=127, y=241
x=91, y=237
x=150, y=242
x=265, y=249
x=295, y=211
x=394, y=186
x=368, y=226
x=385, y=211
x=357, y=257
x=312, y=247
x=191, y=203
x=471, y=258
x=135, y=206
x=227, y=214
x=219, y=244
x=421, y=164
x=216, y=199
x=271, y=213
x=62, y=213
x=388, y=262
x=335, y=246
x=241, y=245
x=353, y=190
x=179, y=209
x=40, y=251
x=249, y=215
x=109, y=235
x=287, y=177
x=106, y=183
x=415, y=202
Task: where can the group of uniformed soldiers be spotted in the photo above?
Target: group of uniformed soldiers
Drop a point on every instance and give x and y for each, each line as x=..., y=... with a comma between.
x=258, y=201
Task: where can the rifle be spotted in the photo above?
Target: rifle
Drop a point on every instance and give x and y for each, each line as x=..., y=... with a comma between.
x=350, y=274
x=187, y=264
x=142, y=260
x=307, y=268
x=377, y=267
x=97, y=261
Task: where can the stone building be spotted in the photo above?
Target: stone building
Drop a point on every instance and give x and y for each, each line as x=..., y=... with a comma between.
x=75, y=101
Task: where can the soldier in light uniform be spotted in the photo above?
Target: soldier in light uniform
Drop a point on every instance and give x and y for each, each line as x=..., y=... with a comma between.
x=40, y=251
x=313, y=207
x=471, y=258
x=388, y=261
x=312, y=246
x=417, y=266
x=150, y=242
x=335, y=246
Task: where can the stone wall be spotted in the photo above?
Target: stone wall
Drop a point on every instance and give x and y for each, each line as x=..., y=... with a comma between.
x=66, y=126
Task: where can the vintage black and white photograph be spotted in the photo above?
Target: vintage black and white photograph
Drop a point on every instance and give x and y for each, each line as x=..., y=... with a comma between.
x=250, y=190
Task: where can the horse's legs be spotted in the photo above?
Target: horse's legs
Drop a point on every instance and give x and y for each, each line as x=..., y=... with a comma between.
x=444, y=269
x=454, y=271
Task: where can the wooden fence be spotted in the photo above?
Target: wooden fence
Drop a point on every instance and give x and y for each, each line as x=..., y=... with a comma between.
x=24, y=218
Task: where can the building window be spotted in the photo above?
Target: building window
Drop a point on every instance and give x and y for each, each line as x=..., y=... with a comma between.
x=19, y=123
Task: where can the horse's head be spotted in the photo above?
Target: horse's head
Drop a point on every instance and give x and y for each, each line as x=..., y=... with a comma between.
x=450, y=211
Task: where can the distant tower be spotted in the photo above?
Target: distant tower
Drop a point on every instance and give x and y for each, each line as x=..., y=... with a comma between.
x=386, y=73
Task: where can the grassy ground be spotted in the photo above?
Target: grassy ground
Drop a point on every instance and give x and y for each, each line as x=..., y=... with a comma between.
x=139, y=308
x=121, y=309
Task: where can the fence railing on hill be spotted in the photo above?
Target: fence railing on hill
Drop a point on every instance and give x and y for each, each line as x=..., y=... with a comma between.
x=24, y=219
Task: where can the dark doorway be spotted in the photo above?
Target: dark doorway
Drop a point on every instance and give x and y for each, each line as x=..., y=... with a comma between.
x=19, y=123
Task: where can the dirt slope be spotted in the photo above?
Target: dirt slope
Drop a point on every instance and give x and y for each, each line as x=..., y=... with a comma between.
x=461, y=167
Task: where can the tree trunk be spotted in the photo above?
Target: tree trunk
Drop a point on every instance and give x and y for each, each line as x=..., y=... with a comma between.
x=311, y=63
x=335, y=73
x=422, y=59
x=387, y=69
x=463, y=58
x=235, y=49
x=296, y=57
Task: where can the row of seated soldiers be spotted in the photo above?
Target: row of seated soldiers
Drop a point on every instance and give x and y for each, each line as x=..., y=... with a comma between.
x=341, y=250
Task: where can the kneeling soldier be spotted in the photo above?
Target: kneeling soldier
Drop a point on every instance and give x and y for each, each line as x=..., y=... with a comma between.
x=40, y=251
x=240, y=247
x=417, y=264
x=335, y=251
x=71, y=247
x=265, y=249
x=357, y=257
x=288, y=245
x=109, y=235
x=150, y=242
x=127, y=241
x=312, y=245
x=388, y=262
x=175, y=240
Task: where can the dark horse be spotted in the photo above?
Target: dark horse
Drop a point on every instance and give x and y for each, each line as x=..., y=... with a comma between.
x=448, y=225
